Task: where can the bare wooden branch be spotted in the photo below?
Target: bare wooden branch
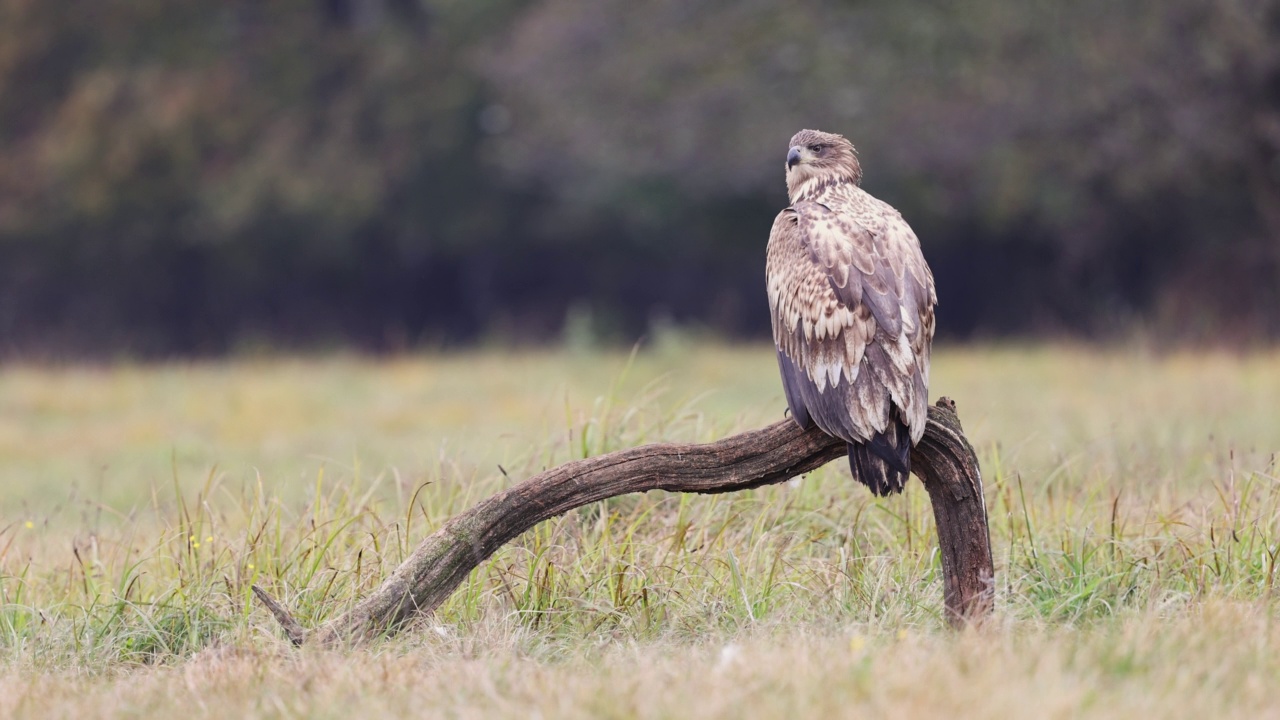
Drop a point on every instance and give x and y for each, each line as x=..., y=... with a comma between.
x=944, y=460
x=292, y=628
x=946, y=464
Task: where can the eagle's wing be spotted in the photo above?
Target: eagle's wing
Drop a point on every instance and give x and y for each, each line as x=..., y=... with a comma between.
x=851, y=301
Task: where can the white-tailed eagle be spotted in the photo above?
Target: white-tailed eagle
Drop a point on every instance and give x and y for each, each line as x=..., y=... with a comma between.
x=851, y=299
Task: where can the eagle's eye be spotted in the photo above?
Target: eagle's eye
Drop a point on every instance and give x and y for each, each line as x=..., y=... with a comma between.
x=817, y=149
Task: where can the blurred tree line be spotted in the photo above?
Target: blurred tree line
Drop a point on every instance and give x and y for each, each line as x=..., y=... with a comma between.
x=193, y=177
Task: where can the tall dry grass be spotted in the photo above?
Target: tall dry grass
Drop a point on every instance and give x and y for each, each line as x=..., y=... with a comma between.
x=1134, y=505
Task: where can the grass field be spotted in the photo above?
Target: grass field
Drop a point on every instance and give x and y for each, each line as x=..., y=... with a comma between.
x=1134, y=501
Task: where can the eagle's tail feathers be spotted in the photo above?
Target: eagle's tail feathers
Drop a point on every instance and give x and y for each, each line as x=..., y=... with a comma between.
x=894, y=446
x=883, y=463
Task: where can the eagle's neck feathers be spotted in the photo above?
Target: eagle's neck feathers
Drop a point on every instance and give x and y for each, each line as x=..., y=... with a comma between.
x=815, y=187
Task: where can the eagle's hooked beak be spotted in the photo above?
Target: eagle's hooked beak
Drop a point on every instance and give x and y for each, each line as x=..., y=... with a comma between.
x=793, y=157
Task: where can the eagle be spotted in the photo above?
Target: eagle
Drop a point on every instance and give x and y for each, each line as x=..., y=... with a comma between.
x=851, y=300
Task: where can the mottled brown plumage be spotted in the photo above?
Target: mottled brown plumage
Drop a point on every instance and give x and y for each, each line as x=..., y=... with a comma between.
x=851, y=299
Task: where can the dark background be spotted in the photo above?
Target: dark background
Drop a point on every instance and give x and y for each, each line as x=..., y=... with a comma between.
x=185, y=178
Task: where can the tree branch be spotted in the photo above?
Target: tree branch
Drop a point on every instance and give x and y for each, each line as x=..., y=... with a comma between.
x=943, y=459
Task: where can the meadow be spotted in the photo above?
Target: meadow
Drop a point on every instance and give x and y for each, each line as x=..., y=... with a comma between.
x=1134, y=500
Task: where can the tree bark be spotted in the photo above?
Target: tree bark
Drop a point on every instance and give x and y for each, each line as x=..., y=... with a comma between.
x=944, y=461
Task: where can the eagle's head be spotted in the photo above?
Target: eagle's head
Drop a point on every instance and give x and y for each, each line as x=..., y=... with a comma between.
x=817, y=157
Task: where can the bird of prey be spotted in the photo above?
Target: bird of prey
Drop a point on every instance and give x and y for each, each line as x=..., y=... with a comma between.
x=851, y=299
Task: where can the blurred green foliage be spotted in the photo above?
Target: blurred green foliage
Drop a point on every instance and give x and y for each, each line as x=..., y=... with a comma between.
x=196, y=177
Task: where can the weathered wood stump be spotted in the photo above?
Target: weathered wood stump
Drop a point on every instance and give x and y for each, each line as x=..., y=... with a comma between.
x=943, y=460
